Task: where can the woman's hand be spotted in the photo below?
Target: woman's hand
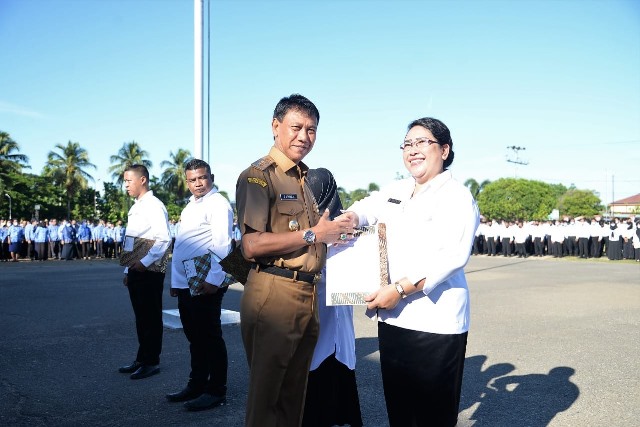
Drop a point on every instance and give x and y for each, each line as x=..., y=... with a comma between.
x=386, y=297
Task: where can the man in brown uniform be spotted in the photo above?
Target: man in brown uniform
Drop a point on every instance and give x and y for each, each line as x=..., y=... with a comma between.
x=284, y=236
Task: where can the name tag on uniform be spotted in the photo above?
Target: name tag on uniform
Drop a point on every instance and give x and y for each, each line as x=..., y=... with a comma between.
x=396, y=201
x=288, y=196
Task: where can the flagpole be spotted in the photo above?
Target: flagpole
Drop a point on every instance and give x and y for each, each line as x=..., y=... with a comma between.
x=198, y=54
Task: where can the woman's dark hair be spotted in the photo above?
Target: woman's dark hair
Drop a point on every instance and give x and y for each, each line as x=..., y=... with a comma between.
x=440, y=131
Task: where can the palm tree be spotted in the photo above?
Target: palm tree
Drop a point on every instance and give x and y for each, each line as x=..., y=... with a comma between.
x=173, y=177
x=129, y=154
x=474, y=187
x=10, y=162
x=67, y=169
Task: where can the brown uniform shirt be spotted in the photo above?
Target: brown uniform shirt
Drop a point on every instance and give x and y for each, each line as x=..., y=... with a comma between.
x=269, y=195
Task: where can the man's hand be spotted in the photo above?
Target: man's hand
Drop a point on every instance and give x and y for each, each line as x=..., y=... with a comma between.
x=173, y=292
x=125, y=280
x=139, y=267
x=328, y=231
x=208, y=289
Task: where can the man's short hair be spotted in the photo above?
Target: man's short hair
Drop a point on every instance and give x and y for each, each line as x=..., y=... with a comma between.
x=194, y=164
x=295, y=102
x=139, y=169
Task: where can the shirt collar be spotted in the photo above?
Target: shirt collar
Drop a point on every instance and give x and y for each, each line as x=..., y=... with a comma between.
x=209, y=194
x=150, y=192
x=437, y=181
x=284, y=162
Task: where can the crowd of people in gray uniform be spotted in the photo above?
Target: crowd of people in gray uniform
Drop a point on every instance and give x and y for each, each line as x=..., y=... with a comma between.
x=614, y=238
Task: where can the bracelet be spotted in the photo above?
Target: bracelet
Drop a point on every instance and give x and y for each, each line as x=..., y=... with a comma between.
x=400, y=290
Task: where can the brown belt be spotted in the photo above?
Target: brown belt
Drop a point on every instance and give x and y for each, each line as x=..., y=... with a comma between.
x=285, y=272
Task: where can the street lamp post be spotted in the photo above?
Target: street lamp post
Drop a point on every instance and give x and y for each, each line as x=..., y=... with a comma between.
x=9, y=204
x=95, y=200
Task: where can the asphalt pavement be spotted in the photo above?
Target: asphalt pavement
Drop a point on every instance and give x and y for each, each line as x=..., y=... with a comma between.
x=552, y=342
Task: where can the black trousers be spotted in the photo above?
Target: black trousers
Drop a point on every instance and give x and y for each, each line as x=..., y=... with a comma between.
x=421, y=376
x=478, y=245
x=596, y=247
x=506, y=246
x=491, y=245
x=520, y=250
x=54, y=249
x=200, y=316
x=42, y=249
x=557, y=249
x=538, y=246
x=583, y=247
x=99, y=252
x=145, y=292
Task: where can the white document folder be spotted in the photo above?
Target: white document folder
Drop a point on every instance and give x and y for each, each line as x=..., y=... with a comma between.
x=354, y=269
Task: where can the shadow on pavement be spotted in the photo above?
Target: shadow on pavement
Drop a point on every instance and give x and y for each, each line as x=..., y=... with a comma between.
x=530, y=400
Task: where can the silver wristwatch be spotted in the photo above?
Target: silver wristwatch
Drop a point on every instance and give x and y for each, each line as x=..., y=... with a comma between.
x=309, y=236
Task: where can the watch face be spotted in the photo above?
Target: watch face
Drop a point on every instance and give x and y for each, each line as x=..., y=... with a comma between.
x=309, y=236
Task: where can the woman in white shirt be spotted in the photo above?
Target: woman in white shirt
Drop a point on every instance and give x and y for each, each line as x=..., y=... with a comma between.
x=423, y=314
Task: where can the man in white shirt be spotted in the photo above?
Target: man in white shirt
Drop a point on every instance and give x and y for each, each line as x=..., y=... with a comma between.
x=205, y=227
x=520, y=236
x=144, y=278
x=492, y=233
x=583, y=233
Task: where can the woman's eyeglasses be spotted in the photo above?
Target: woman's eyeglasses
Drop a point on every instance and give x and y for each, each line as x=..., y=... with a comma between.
x=418, y=143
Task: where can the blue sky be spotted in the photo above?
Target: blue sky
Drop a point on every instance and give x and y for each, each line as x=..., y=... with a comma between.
x=560, y=78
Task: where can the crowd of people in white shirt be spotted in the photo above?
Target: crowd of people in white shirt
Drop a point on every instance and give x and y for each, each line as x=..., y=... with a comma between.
x=615, y=238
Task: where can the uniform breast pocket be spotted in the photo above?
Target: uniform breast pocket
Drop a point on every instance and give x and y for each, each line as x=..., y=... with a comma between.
x=290, y=208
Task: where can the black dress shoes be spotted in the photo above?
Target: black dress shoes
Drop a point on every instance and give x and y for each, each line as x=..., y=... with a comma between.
x=182, y=396
x=130, y=368
x=205, y=401
x=145, y=371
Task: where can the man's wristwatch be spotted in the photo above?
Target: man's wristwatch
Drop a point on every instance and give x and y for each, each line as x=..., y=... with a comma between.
x=400, y=290
x=309, y=236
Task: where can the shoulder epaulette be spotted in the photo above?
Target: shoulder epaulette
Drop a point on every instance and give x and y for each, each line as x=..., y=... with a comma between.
x=263, y=163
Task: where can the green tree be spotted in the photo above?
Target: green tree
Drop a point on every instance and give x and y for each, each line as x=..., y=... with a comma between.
x=130, y=154
x=173, y=177
x=358, y=194
x=11, y=161
x=345, y=199
x=474, y=187
x=512, y=198
x=349, y=198
x=113, y=205
x=67, y=169
x=27, y=192
x=579, y=203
